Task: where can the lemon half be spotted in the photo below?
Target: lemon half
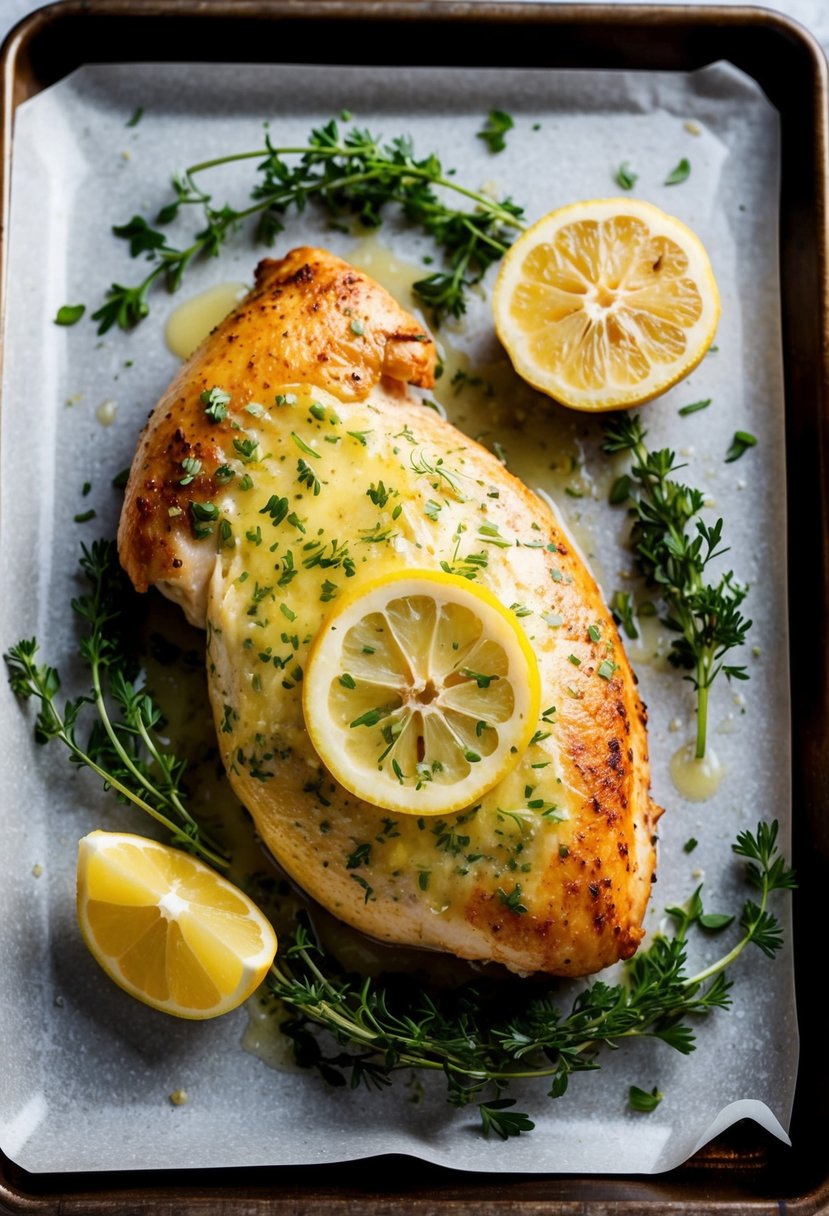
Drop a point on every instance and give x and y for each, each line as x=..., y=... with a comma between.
x=606, y=304
x=168, y=929
x=421, y=692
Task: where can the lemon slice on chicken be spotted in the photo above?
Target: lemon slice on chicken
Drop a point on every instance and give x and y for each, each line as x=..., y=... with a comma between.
x=606, y=304
x=168, y=929
x=421, y=692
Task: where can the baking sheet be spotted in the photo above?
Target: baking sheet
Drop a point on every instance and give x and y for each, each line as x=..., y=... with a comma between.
x=87, y=1073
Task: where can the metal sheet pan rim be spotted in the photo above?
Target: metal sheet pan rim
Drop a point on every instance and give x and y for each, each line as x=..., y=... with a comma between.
x=20, y=1192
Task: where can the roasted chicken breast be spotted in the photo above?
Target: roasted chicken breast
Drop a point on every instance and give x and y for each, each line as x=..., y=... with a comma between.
x=255, y=501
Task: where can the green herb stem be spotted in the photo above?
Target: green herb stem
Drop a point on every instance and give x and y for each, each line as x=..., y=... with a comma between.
x=352, y=173
x=481, y=1037
x=375, y=168
x=115, y=763
x=475, y=1050
x=60, y=731
x=673, y=547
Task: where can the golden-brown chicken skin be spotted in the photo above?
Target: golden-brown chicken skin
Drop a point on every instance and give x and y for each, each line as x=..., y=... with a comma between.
x=291, y=416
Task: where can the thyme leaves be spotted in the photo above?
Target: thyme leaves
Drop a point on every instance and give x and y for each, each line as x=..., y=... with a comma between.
x=674, y=547
x=346, y=173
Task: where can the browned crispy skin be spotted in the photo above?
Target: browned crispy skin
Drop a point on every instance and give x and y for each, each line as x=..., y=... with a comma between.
x=584, y=879
x=312, y=319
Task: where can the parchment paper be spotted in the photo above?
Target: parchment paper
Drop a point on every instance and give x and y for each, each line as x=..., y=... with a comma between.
x=86, y=1072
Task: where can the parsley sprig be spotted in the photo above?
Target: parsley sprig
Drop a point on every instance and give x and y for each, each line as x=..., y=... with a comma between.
x=348, y=174
x=674, y=547
x=124, y=747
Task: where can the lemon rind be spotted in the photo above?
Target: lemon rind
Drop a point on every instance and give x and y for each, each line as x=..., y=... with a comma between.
x=431, y=800
x=255, y=967
x=515, y=343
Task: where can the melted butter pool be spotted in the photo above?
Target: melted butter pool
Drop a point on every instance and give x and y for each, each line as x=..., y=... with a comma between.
x=696, y=780
x=190, y=323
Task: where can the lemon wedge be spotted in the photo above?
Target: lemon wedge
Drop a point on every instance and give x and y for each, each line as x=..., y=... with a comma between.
x=606, y=304
x=168, y=929
x=421, y=692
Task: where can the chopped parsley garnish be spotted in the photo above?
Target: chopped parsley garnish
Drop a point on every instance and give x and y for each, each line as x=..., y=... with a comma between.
x=361, y=882
x=69, y=314
x=191, y=467
x=694, y=407
x=494, y=131
x=371, y=717
x=622, y=608
x=483, y=1044
x=619, y=491
x=277, y=508
x=512, y=900
x=360, y=857
x=483, y=681
x=680, y=173
x=215, y=401
x=307, y=477
x=740, y=444
x=625, y=178
x=642, y=1100
x=247, y=449
x=490, y=535
x=202, y=516
x=303, y=446
x=378, y=494
x=360, y=436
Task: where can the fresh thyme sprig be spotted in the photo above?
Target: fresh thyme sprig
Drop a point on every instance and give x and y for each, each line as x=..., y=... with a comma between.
x=673, y=548
x=486, y=1035
x=125, y=751
x=482, y=1036
x=350, y=173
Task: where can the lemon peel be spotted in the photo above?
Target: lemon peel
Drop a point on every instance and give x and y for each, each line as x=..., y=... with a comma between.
x=421, y=692
x=168, y=929
x=606, y=304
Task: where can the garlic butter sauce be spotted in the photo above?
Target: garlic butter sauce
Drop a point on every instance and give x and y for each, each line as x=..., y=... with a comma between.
x=540, y=443
x=190, y=323
x=696, y=780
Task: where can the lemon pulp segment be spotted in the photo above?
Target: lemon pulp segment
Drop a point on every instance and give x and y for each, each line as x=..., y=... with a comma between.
x=606, y=304
x=167, y=928
x=421, y=692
